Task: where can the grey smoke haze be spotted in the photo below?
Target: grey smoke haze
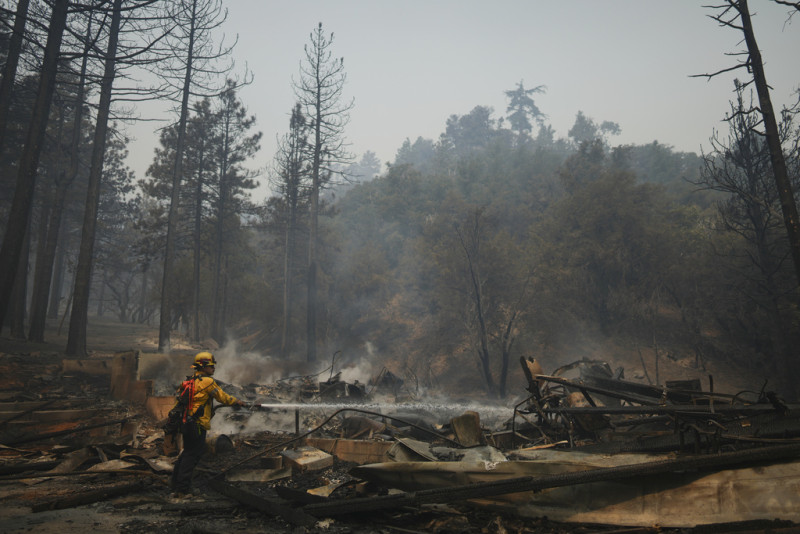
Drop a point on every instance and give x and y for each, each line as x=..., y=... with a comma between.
x=242, y=368
x=246, y=368
x=166, y=371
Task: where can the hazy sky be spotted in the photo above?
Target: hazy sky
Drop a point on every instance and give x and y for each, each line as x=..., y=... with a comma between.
x=412, y=63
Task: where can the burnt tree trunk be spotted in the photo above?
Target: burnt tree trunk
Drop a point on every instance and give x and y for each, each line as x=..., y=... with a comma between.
x=76, y=342
x=58, y=279
x=788, y=206
x=10, y=68
x=198, y=218
x=165, y=319
x=29, y=161
x=43, y=272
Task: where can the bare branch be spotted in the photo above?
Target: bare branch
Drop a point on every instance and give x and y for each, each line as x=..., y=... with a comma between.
x=795, y=5
x=721, y=71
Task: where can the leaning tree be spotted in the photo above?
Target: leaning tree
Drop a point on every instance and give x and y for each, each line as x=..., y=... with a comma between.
x=736, y=14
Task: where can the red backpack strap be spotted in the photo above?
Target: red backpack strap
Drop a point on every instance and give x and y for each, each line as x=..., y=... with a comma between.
x=187, y=395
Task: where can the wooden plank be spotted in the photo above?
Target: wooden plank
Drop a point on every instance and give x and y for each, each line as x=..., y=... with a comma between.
x=123, y=372
x=351, y=450
x=467, y=428
x=139, y=391
x=307, y=458
x=158, y=407
x=28, y=406
x=57, y=416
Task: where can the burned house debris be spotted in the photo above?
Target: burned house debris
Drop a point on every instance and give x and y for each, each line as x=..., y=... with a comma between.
x=583, y=446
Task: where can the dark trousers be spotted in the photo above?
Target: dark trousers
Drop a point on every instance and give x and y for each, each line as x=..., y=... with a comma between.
x=194, y=445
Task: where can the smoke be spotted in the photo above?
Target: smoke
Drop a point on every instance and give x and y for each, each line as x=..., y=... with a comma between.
x=243, y=369
x=233, y=367
x=248, y=368
x=229, y=422
x=165, y=370
x=356, y=371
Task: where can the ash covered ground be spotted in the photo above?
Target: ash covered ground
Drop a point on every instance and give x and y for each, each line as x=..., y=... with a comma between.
x=33, y=504
x=40, y=477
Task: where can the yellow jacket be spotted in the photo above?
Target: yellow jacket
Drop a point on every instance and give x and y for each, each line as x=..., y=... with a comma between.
x=205, y=388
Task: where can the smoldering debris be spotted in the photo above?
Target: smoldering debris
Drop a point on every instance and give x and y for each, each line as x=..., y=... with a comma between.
x=308, y=448
x=599, y=412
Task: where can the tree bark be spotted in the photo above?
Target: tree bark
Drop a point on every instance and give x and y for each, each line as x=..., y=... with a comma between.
x=19, y=295
x=76, y=341
x=224, y=298
x=788, y=206
x=43, y=273
x=218, y=321
x=101, y=297
x=58, y=279
x=288, y=280
x=471, y=246
x=292, y=165
x=198, y=217
x=506, y=344
x=319, y=91
x=143, y=315
x=165, y=319
x=45, y=219
x=29, y=161
x=311, y=301
x=10, y=68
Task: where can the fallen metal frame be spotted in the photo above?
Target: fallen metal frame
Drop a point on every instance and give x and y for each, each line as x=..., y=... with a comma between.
x=530, y=483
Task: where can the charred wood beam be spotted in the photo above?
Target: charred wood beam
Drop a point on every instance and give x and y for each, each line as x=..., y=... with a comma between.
x=647, y=420
x=363, y=504
x=295, y=516
x=579, y=384
x=672, y=409
x=137, y=472
x=677, y=395
x=29, y=411
x=633, y=392
x=60, y=433
x=27, y=466
x=89, y=497
x=768, y=425
x=588, y=397
x=529, y=483
x=37, y=417
x=763, y=428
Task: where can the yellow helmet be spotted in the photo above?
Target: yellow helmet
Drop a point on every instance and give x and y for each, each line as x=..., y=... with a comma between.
x=204, y=359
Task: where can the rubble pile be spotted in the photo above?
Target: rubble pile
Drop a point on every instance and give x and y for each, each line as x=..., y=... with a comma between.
x=322, y=455
x=599, y=411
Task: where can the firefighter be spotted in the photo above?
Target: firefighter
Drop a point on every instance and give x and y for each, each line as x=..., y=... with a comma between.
x=197, y=419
